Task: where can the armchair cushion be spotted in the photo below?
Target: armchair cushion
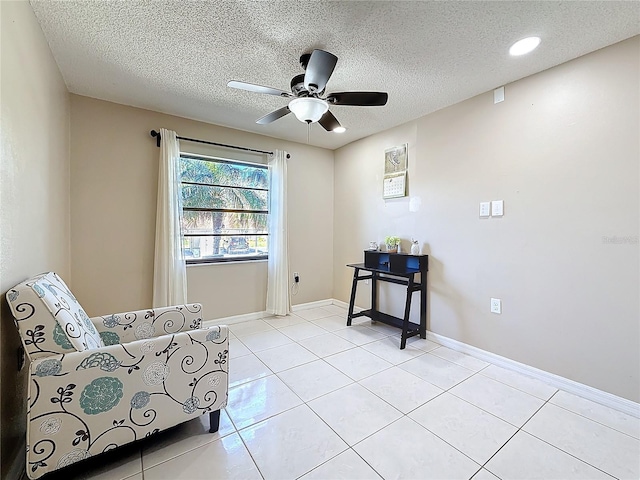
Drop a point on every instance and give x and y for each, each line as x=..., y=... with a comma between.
x=49, y=318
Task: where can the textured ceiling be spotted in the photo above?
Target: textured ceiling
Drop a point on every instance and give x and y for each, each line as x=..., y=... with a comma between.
x=177, y=56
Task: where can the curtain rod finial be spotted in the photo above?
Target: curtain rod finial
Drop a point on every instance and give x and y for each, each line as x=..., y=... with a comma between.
x=157, y=135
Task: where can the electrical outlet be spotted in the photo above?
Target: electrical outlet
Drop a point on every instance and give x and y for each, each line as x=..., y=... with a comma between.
x=296, y=277
x=496, y=305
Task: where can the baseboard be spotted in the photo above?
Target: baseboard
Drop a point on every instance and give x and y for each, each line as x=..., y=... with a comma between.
x=342, y=304
x=17, y=470
x=306, y=306
x=590, y=393
x=245, y=317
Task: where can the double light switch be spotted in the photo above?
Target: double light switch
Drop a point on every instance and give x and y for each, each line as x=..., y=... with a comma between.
x=492, y=209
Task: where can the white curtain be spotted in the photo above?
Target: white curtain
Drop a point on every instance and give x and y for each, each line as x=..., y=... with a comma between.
x=169, y=269
x=278, y=299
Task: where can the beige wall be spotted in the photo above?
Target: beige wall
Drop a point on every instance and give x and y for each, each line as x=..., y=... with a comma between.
x=34, y=191
x=113, y=203
x=562, y=151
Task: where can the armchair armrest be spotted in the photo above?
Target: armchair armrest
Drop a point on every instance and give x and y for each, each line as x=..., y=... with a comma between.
x=142, y=324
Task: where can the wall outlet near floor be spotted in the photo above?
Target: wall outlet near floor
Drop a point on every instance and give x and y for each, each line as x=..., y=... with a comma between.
x=496, y=305
x=296, y=277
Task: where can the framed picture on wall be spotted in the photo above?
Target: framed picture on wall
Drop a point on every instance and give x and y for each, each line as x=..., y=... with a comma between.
x=395, y=159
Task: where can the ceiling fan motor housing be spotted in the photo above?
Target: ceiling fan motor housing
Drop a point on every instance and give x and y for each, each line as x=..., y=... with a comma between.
x=297, y=86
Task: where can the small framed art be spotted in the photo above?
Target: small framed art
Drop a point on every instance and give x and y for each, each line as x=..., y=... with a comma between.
x=395, y=159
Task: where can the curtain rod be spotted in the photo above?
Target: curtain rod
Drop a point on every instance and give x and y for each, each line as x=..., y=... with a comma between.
x=156, y=134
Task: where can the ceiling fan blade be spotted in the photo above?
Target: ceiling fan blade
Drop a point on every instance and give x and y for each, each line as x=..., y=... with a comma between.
x=319, y=69
x=362, y=99
x=258, y=88
x=329, y=122
x=273, y=116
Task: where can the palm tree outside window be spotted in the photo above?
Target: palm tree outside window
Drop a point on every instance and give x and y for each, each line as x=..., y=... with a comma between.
x=225, y=209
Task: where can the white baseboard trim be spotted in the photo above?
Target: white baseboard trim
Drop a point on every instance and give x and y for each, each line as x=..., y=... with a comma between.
x=306, y=306
x=245, y=317
x=342, y=304
x=18, y=465
x=590, y=393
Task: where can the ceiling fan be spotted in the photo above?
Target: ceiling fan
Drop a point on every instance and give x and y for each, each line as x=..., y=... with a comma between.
x=309, y=103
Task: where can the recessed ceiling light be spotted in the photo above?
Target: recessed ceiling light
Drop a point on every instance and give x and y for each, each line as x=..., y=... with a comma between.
x=525, y=45
x=339, y=129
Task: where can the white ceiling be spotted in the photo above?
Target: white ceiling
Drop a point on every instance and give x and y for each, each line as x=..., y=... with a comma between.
x=177, y=56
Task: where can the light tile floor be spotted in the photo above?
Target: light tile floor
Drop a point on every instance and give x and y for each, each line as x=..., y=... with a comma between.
x=310, y=398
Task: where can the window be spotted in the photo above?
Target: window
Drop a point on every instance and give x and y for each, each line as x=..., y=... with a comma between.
x=225, y=209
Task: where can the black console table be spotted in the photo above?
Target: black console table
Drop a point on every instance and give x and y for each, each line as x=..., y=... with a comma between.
x=400, y=268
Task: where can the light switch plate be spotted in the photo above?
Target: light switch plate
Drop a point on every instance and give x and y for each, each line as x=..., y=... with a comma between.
x=496, y=305
x=497, y=208
x=484, y=209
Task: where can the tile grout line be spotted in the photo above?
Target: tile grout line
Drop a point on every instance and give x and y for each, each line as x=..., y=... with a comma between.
x=349, y=447
x=520, y=429
x=486, y=411
x=269, y=417
x=482, y=466
x=592, y=419
x=556, y=446
x=305, y=403
x=255, y=464
x=516, y=388
x=402, y=413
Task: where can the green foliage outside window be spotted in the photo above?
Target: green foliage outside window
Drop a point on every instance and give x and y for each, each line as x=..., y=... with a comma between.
x=225, y=209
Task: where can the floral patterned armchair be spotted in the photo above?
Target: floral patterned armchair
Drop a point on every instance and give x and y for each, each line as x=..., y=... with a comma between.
x=98, y=383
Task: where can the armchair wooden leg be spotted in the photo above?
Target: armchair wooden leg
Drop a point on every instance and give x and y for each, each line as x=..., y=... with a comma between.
x=214, y=421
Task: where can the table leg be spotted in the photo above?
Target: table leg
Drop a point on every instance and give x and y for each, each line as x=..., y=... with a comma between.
x=374, y=294
x=423, y=305
x=407, y=310
x=352, y=301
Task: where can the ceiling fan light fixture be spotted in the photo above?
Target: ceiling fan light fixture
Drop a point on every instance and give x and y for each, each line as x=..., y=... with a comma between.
x=308, y=109
x=524, y=46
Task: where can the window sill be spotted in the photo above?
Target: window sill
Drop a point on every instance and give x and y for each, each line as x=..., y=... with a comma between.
x=232, y=262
